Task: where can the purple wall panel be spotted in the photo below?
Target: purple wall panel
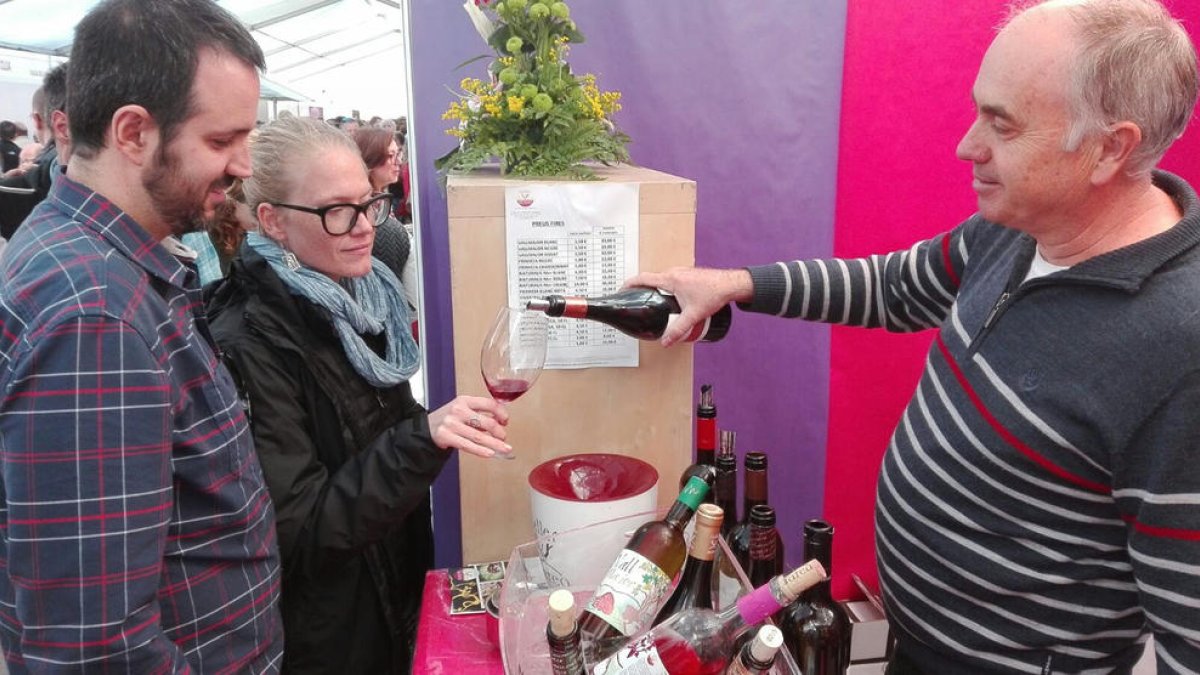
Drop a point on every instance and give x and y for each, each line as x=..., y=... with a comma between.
x=746, y=103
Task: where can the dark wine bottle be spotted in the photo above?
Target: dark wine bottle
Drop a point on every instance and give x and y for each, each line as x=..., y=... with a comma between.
x=725, y=488
x=764, y=561
x=706, y=427
x=695, y=586
x=758, y=655
x=754, y=493
x=816, y=628
x=643, y=313
x=706, y=438
x=629, y=596
x=699, y=641
x=725, y=584
x=562, y=634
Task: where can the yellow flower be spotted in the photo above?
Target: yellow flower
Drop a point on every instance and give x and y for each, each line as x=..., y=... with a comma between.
x=516, y=104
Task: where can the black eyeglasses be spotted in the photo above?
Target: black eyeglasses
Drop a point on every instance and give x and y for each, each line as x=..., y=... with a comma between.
x=339, y=219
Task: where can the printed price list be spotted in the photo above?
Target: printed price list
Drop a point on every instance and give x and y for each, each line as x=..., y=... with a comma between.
x=574, y=239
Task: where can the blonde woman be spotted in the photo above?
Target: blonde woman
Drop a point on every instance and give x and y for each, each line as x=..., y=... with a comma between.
x=316, y=332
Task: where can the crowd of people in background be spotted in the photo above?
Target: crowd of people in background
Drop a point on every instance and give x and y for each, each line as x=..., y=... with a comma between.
x=29, y=164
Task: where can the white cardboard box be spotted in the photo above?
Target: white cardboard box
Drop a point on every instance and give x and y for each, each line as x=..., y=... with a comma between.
x=869, y=632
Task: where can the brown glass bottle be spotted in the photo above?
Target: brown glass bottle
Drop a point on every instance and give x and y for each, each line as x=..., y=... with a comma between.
x=636, y=584
x=695, y=586
x=643, y=313
x=754, y=493
x=816, y=628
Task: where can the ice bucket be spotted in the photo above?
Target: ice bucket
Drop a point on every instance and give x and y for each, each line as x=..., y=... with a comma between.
x=580, y=490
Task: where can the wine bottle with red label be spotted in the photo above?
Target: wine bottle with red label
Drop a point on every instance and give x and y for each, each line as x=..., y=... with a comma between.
x=643, y=313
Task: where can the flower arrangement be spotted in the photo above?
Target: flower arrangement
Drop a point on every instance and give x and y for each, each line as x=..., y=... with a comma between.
x=533, y=114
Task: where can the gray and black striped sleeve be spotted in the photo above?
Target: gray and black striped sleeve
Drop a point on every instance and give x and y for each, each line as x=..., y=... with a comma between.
x=904, y=291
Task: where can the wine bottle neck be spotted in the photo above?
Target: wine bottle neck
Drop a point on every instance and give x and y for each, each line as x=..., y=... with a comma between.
x=695, y=570
x=762, y=542
x=821, y=592
x=706, y=433
x=820, y=548
x=679, y=514
x=756, y=489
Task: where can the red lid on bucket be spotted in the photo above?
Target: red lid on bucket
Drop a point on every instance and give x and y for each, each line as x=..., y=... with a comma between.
x=593, y=477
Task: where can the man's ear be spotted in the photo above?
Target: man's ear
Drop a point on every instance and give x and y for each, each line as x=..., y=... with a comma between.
x=134, y=133
x=62, y=130
x=269, y=225
x=1115, y=147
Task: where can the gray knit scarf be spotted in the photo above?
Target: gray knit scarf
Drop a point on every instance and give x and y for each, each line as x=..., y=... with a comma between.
x=377, y=305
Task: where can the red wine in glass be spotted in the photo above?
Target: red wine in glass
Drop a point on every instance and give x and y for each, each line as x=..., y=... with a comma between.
x=507, y=389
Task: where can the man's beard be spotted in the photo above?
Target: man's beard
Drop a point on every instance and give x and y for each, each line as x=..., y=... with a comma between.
x=173, y=196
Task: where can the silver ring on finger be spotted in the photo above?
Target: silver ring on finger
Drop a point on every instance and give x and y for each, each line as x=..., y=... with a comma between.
x=475, y=422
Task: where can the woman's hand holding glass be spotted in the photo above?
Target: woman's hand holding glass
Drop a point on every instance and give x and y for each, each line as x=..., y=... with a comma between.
x=473, y=424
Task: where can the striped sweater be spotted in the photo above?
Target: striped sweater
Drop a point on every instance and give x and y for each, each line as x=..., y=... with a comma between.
x=1038, y=509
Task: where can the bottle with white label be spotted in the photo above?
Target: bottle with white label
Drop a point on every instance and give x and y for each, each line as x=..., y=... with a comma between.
x=643, y=313
x=638, y=581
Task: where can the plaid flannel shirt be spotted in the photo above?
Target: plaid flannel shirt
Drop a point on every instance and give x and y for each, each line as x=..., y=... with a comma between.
x=136, y=532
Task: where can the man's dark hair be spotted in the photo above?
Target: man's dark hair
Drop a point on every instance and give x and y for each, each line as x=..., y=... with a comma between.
x=54, y=91
x=8, y=131
x=145, y=53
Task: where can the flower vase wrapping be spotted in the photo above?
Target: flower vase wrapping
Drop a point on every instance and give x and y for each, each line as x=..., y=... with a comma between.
x=532, y=114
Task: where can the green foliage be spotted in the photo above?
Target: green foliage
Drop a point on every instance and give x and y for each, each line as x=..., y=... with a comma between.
x=532, y=114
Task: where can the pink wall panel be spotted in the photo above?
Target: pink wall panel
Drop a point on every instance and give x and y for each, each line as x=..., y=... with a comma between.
x=908, y=73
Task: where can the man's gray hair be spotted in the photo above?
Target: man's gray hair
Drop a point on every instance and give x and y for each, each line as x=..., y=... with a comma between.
x=1134, y=62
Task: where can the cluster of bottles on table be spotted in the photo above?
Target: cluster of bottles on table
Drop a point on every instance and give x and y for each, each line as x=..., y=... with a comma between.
x=631, y=624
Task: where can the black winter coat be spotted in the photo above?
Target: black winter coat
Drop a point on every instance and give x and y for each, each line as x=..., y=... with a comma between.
x=349, y=468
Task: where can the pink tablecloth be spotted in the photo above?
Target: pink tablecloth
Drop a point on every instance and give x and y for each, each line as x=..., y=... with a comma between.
x=452, y=645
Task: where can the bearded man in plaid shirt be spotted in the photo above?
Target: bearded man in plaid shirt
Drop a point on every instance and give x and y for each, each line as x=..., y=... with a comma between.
x=136, y=534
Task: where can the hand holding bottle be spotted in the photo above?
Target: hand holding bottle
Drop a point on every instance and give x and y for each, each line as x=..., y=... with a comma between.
x=701, y=292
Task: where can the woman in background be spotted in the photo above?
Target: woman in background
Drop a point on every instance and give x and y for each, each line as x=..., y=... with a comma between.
x=316, y=334
x=216, y=245
x=393, y=244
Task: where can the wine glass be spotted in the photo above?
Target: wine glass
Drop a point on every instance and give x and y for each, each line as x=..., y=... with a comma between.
x=513, y=353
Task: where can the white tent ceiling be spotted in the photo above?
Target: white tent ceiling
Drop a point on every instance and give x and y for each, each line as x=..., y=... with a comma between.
x=310, y=45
